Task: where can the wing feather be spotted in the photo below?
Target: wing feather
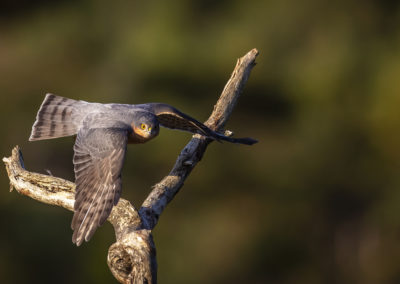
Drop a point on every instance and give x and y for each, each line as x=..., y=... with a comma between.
x=98, y=160
x=170, y=117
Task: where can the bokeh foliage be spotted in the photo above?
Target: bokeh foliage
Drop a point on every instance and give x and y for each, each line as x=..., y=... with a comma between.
x=315, y=201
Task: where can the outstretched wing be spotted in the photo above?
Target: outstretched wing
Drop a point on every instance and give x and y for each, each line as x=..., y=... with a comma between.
x=98, y=159
x=170, y=117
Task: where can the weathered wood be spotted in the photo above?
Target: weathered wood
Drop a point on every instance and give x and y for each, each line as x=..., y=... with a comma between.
x=132, y=258
x=168, y=187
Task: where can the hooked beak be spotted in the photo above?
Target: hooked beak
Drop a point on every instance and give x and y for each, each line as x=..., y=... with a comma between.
x=153, y=131
x=145, y=133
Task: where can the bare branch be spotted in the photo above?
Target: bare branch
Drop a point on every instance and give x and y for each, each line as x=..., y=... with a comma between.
x=43, y=188
x=168, y=187
x=228, y=99
x=132, y=258
x=57, y=191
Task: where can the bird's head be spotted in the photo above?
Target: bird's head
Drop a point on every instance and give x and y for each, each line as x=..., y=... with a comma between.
x=145, y=127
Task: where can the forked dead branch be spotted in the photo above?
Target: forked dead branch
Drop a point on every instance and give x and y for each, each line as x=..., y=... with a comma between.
x=132, y=257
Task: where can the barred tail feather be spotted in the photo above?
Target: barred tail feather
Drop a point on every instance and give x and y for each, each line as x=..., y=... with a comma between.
x=54, y=118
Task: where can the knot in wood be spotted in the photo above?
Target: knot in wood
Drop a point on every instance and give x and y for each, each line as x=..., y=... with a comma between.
x=119, y=262
x=129, y=259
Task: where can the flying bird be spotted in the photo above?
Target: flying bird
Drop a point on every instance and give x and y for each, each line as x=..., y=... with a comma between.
x=102, y=134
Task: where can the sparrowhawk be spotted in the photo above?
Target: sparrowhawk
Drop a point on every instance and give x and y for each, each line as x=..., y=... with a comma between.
x=102, y=134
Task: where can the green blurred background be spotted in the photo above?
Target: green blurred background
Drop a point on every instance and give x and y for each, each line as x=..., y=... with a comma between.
x=315, y=201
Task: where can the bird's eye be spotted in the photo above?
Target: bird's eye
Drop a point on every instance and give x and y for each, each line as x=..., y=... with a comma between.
x=149, y=128
x=143, y=126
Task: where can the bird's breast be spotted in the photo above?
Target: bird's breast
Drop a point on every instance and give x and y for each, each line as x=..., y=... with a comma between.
x=133, y=138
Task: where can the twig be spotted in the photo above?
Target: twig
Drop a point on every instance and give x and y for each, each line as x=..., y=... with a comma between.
x=132, y=258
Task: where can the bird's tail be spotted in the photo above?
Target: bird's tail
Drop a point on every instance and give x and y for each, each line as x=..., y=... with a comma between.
x=54, y=118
